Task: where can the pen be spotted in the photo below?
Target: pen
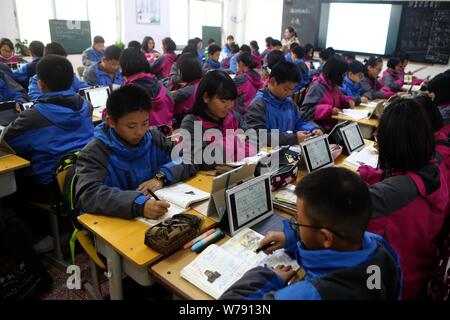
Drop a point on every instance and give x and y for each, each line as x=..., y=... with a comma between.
x=201, y=237
x=152, y=194
x=200, y=244
x=214, y=240
x=264, y=247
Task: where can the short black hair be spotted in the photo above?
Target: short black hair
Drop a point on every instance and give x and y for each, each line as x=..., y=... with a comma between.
x=276, y=43
x=308, y=47
x=254, y=45
x=55, y=48
x=7, y=42
x=214, y=83
x=169, y=45
x=98, y=39
x=349, y=56
x=56, y=72
x=246, y=59
x=127, y=99
x=293, y=45
x=212, y=49
x=235, y=48
x=37, y=48
x=356, y=67
x=211, y=41
x=134, y=44
x=337, y=198
x=402, y=56
x=393, y=62
x=331, y=51
x=189, y=67
x=335, y=69
x=230, y=37
x=133, y=61
x=190, y=48
x=440, y=86
x=299, y=51
x=112, y=53
x=373, y=61
x=145, y=42
x=285, y=71
x=245, y=48
x=274, y=57
x=268, y=41
x=324, y=54
x=405, y=137
x=432, y=111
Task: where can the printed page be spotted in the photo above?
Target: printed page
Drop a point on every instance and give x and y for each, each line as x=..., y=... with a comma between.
x=367, y=156
x=182, y=194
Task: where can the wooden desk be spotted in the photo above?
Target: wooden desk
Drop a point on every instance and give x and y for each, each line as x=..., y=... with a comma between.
x=368, y=122
x=122, y=243
x=11, y=163
x=96, y=119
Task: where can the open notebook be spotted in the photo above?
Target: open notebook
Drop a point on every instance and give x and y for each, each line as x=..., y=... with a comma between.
x=367, y=156
x=217, y=268
x=356, y=114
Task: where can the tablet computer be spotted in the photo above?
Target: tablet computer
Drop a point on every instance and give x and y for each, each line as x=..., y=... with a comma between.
x=316, y=153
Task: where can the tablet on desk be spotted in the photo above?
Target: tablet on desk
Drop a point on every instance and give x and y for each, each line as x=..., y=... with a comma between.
x=352, y=138
x=98, y=97
x=316, y=153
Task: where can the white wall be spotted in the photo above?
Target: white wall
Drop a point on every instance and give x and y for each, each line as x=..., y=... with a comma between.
x=8, y=23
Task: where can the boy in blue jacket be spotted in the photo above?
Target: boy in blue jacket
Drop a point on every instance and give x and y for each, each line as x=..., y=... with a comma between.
x=60, y=122
x=107, y=71
x=327, y=238
x=95, y=53
x=273, y=108
x=352, y=82
x=125, y=160
x=24, y=73
x=11, y=90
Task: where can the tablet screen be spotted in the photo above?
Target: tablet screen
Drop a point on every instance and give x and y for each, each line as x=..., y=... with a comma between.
x=318, y=154
x=98, y=97
x=353, y=137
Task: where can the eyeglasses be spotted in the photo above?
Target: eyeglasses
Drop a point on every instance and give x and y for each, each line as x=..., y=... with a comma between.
x=295, y=225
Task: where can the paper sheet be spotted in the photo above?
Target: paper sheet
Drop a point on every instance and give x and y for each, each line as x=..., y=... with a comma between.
x=356, y=114
x=367, y=156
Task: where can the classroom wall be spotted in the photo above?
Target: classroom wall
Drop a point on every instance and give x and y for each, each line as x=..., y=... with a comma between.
x=9, y=28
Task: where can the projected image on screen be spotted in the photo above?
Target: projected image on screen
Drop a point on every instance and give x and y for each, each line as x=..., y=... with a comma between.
x=358, y=27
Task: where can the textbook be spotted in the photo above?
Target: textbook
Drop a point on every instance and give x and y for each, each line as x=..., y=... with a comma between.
x=182, y=195
x=367, y=156
x=356, y=114
x=285, y=199
x=217, y=268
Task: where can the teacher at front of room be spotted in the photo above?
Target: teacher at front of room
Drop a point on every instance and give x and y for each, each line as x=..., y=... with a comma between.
x=290, y=36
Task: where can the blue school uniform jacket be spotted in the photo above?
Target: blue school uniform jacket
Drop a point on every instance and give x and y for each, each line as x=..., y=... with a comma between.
x=91, y=56
x=95, y=76
x=108, y=172
x=330, y=274
x=233, y=63
x=352, y=89
x=11, y=90
x=59, y=123
x=268, y=112
x=23, y=75
x=34, y=92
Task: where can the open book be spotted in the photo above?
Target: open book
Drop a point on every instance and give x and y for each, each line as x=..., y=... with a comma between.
x=173, y=210
x=367, y=156
x=217, y=268
x=356, y=114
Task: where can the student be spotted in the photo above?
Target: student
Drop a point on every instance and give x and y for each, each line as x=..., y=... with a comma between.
x=324, y=55
x=328, y=238
x=175, y=81
x=213, y=109
x=276, y=45
x=134, y=45
x=233, y=61
x=53, y=48
x=256, y=56
x=273, y=108
x=107, y=71
x=210, y=43
x=352, y=82
x=323, y=98
x=272, y=59
x=136, y=70
x=212, y=63
x=95, y=53
x=349, y=57
x=268, y=48
x=404, y=59
x=290, y=37
x=309, y=52
x=409, y=191
x=190, y=75
x=125, y=159
x=148, y=45
x=24, y=73
x=371, y=87
x=59, y=123
x=439, y=91
x=7, y=52
x=162, y=66
x=226, y=62
x=288, y=56
x=10, y=90
x=392, y=80
x=248, y=82
x=227, y=49
x=297, y=57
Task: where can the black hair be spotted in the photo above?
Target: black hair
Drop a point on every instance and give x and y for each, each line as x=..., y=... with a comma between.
x=393, y=62
x=293, y=45
x=213, y=49
x=98, y=39
x=331, y=51
x=7, y=42
x=211, y=41
x=337, y=198
x=214, y=83
x=133, y=61
x=56, y=72
x=246, y=58
x=169, y=45
x=245, y=48
x=334, y=70
x=402, y=56
x=292, y=30
x=254, y=45
x=55, y=48
x=355, y=67
x=373, y=61
x=145, y=42
x=134, y=45
x=276, y=43
x=112, y=53
x=190, y=48
x=189, y=67
x=309, y=47
x=324, y=54
x=235, y=48
x=405, y=137
x=37, y=48
x=127, y=99
x=440, y=86
x=274, y=57
x=230, y=37
x=269, y=41
x=432, y=111
x=349, y=56
x=299, y=51
x=285, y=71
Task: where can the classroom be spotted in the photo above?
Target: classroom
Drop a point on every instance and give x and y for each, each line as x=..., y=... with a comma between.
x=224, y=150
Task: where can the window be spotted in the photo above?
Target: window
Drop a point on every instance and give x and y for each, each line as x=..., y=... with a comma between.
x=34, y=26
x=71, y=10
x=104, y=18
x=179, y=11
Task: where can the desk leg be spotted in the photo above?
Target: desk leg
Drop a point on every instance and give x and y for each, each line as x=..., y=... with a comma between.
x=114, y=266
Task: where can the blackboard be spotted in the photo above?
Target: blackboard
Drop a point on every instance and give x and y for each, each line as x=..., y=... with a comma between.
x=304, y=17
x=211, y=33
x=425, y=31
x=75, y=36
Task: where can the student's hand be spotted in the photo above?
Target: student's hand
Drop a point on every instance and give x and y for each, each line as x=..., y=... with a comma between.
x=318, y=132
x=18, y=109
x=302, y=136
x=364, y=100
x=278, y=238
x=153, y=209
x=335, y=111
x=152, y=184
x=351, y=104
x=284, y=272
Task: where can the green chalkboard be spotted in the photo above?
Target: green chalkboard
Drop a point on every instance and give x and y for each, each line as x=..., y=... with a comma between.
x=211, y=33
x=75, y=36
